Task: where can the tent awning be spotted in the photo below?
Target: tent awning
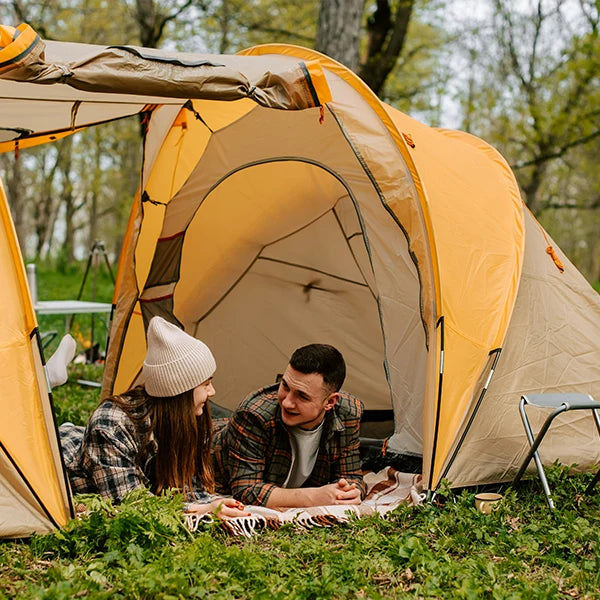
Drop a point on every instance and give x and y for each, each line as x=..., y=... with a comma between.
x=109, y=82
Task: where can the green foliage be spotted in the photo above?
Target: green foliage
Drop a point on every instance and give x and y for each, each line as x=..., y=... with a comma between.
x=75, y=402
x=143, y=521
x=58, y=280
x=141, y=549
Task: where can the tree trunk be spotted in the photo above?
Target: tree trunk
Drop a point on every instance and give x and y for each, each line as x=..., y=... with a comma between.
x=152, y=18
x=96, y=185
x=68, y=199
x=44, y=204
x=13, y=170
x=387, y=34
x=338, y=30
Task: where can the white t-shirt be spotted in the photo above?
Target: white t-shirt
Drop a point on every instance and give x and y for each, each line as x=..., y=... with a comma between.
x=305, y=449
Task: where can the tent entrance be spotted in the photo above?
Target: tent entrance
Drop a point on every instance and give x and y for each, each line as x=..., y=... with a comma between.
x=276, y=234
x=275, y=258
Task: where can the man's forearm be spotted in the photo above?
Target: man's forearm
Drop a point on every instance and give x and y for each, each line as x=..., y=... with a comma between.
x=341, y=492
x=282, y=498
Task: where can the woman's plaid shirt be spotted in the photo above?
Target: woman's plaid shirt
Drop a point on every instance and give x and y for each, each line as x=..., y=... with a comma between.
x=104, y=457
x=252, y=453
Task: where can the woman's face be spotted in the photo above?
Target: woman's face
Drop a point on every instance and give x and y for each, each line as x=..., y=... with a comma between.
x=202, y=393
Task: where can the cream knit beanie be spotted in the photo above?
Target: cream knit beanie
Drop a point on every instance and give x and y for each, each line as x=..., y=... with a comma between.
x=175, y=361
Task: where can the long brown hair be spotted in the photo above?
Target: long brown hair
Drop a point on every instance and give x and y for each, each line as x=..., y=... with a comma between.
x=183, y=440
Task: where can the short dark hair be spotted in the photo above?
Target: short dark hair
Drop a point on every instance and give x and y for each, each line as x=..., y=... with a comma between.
x=323, y=359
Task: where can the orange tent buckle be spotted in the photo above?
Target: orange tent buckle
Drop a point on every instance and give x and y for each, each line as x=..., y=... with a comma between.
x=550, y=250
x=408, y=139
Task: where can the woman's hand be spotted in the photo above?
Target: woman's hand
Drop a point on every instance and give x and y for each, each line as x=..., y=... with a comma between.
x=224, y=508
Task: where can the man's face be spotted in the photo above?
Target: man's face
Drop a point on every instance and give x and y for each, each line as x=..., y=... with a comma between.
x=304, y=399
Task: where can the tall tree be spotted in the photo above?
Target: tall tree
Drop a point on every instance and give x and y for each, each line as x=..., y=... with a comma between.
x=339, y=30
x=539, y=89
x=55, y=182
x=533, y=90
x=152, y=16
x=387, y=30
x=15, y=191
x=226, y=26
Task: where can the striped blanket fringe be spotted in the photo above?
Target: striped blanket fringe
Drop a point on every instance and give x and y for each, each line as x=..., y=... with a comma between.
x=387, y=489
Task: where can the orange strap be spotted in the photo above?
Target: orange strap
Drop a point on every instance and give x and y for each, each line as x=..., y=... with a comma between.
x=384, y=446
x=550, y=250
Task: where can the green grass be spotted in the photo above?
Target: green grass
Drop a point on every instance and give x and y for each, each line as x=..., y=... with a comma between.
x=447, y=549
x=142, y=550
x=59, y=282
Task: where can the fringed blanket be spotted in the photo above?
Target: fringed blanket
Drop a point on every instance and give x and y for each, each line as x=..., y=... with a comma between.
x=385, y=491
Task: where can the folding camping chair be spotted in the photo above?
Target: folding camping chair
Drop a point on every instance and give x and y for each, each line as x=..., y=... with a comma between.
x=560, y=403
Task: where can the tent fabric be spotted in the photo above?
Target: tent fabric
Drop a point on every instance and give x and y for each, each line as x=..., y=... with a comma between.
x=81, y=84
x=552, y=346
x=401, y=244
x=34, y=494
x=346, y=222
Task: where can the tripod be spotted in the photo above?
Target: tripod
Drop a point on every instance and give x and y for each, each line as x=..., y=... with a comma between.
x=96, y=251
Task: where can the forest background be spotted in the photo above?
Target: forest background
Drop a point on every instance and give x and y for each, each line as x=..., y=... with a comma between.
x=524, y=75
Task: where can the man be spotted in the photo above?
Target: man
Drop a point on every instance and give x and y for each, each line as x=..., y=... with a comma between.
x=296, y=443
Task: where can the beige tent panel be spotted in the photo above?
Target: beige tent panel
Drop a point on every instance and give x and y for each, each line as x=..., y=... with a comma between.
x=279, y=267
x=99, y=83
x=290, y=180
x=185, y=143
x=133, y=350
x=60, y=478
x=457, y=170
x=20, y=512
x=551, y=346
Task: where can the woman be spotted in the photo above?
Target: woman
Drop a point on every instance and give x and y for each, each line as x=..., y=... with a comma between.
x=156, y=436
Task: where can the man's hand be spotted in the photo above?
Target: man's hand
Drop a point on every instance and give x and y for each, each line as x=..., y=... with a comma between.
x=340, y=492
x=224, y=508
x=348, y=493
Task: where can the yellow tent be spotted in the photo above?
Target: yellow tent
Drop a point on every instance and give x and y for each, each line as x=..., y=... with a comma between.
x=407, y=247
x=347, y=222
x=34, y=494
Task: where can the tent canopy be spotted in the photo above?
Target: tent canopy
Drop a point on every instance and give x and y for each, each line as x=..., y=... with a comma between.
x=71, y=86
x=279, y=229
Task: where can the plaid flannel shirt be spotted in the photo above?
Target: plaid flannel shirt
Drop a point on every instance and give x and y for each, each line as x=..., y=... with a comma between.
x=104, y=458
x=252, y=453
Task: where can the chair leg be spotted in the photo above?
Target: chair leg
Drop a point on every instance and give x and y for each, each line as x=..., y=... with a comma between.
x=542, y=474
x=593, y=483
x=596, y=419
x=533, y=450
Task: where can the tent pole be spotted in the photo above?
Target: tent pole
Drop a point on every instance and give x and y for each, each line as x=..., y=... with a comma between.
x=36, y=333
x=439, y=324
x=497, y=352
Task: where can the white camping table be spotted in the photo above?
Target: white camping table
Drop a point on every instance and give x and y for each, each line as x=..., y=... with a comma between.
x=70, y=307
